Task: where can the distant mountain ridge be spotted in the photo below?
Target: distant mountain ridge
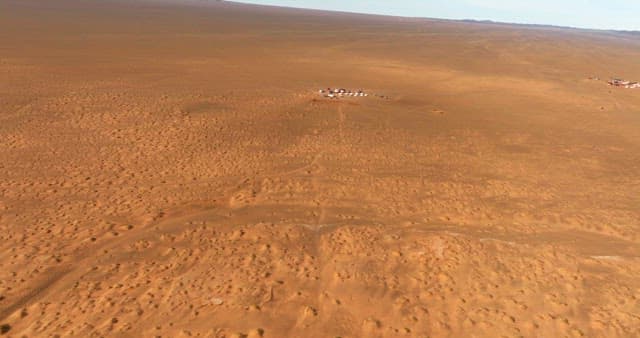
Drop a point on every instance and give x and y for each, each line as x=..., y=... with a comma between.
x=632, y=32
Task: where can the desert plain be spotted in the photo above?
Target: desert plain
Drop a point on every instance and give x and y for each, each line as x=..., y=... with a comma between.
x=168, y=169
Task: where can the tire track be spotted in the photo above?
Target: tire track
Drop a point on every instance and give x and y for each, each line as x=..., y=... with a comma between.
x=53, y=276
x=58, y=278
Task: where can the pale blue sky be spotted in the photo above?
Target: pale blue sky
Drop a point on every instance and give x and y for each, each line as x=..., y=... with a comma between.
x=599, y=14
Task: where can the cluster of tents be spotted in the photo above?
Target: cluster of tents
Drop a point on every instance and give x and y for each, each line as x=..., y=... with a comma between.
x=341, y=92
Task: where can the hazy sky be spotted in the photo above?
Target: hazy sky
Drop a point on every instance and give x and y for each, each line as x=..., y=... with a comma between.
x=601, y=14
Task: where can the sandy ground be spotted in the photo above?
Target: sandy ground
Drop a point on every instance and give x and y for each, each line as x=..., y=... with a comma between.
x=170, y=171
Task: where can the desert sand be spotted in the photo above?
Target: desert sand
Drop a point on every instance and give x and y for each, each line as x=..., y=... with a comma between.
x=169, y=170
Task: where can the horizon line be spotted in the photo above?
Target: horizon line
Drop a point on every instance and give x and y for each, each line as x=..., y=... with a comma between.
x=469, y=20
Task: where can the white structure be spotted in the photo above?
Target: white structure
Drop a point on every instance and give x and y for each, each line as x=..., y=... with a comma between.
x=342, y=92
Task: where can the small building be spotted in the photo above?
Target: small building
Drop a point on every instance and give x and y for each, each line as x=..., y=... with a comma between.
x=623, y=83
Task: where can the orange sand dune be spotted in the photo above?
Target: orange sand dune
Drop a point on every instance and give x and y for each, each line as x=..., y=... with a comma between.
x=170, y=170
